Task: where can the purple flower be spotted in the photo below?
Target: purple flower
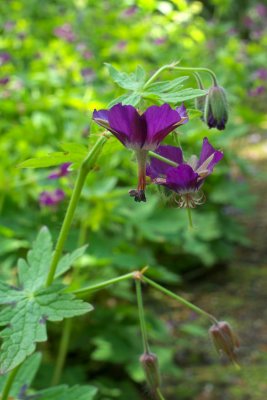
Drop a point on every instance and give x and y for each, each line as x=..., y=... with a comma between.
x=121, y=45
x=87, y=74
x=129, y=11
x=261, y=10
x=65, y=32
x=4, y=58
x=186, y=178
x=141, y=133
x=259, y=90
x=62, y=171
x=51, y=199
x=4, y=81
x=159, y=41
x=261, y=74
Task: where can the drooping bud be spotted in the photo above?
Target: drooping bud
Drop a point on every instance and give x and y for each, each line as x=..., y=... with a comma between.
x=150, y=365
x=216, y=108
x=224, y=339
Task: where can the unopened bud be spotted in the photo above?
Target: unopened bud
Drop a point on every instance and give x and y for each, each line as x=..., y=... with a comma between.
x=216, y=108
x=150, y=365
x=224, y=339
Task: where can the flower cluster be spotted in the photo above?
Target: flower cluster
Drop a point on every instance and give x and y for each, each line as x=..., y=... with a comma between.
x=143, y=133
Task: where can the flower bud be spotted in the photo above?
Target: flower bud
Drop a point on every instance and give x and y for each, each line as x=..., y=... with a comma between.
x=150, y=365
x=216, y=108
x=224, y=339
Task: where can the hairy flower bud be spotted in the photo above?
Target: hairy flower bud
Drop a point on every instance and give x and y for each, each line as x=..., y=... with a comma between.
x=216, y=108
x=224, y=339
x=150, y=365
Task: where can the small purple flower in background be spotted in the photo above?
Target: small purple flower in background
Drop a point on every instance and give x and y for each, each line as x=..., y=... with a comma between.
x=62, y=171
x=88, y=74
x=4, y=81
x=261, y=74
x=4, y=58
x=9, y=25
x=65, y=32
x=121, y=45
x=159, y=41
x=188, y=177
x=129, y=12
x=261, y=10
x=259, y=90
x=141, y=133
x=51, y=199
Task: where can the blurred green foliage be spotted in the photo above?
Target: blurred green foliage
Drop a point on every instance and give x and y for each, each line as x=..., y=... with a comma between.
x=55, y=77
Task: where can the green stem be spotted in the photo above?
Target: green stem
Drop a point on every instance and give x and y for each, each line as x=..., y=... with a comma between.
x=156, y=74
x=166, y=160
x=180, y=299
x=9, y=382
x=141, y=315
x=63, y=350
x=83, y=171
x=93, y=288
x=189, y=213
x=199, y=81
x=160, y=395
x=209, y=71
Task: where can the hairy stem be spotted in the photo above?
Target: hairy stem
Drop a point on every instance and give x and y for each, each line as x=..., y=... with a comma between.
x=209, y=71
x=9, y=382
x=141, y=315
x=63, y=350
x=98, y=286
x=156, y=74
x=86, y=166
x=180, y=299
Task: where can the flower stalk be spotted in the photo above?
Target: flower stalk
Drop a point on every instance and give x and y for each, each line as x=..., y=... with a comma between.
x=192, y=69
x=92, y=288
x=141, y=315
x=180, y=300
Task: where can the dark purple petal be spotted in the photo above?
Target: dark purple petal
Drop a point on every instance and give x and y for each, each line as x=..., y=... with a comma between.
x=160, y=121
x=158, y=168
x=183, y=113
x=182, y=179
x=206, y=153
x=101, y=118
x=127, y=125
x=51, y=199
x=63, y=171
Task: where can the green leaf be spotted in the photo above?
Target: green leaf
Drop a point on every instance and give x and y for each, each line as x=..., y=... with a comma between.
x=53, y=159
x=66, y=393
x=74, y=148
x=66, y=261
x=29, y=306
x=33, y=273
x=132, y=99
x=133, y=81
x=166, y=86
x=182, y=95
x=24, y=376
